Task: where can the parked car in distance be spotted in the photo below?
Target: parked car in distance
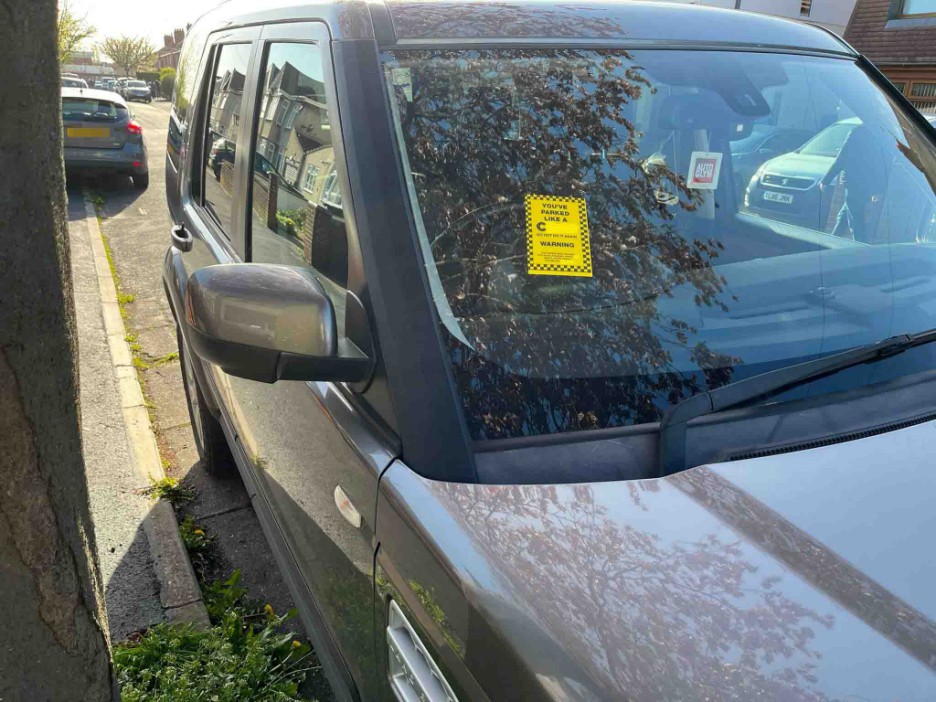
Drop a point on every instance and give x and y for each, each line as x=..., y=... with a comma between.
x=529, y=405
x=787, y=187
x=137, y=90
x=68, y=82
x=101, y=135
x=764, y=143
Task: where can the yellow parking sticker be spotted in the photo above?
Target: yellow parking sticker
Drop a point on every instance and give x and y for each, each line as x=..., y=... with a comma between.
x=558, y=242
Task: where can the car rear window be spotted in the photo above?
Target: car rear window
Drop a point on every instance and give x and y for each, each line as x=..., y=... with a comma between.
x=91, y=110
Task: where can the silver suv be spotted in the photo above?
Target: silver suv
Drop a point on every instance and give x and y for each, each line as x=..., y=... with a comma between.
x=529, y=404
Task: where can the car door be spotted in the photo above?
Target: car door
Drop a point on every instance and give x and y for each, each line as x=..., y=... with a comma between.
x=208, y=212
x=316, y=449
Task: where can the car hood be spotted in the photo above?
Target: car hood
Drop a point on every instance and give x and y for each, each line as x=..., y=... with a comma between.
x=809, y=575
x=801, y=165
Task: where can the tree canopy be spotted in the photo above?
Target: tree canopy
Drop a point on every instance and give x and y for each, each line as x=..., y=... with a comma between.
x=72, y=30
x=130, y=53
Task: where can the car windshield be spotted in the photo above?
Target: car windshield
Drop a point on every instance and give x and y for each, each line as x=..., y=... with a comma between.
x=136, y=84
x=88, y=110
x=599, y=249
x=829, y=141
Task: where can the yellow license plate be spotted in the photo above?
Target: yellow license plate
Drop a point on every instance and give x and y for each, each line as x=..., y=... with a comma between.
x=88, y=132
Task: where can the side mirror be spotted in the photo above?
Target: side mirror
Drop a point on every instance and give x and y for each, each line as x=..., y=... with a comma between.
x=268, y=322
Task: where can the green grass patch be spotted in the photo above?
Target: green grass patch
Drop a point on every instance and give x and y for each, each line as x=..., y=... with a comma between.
x=140, y=364
x=98, y=201
x=169, y=489
x=243, y=657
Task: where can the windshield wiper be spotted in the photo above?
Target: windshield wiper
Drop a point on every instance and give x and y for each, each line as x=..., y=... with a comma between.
x=672, y=446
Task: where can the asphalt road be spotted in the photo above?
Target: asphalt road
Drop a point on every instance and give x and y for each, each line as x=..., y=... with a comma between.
x=137, y=226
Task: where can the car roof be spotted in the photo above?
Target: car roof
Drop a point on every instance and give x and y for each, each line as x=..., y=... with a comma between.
x=608, y=22
x=93, y=94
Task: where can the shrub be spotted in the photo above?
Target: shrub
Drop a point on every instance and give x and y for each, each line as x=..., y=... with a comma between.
x=243, y=657
x=167, y=77
x=291, y=220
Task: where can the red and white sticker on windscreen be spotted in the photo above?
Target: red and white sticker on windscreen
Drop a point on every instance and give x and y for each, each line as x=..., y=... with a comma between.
x=704, y=169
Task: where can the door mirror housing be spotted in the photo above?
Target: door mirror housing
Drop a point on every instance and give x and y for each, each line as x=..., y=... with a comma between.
x=268, y=322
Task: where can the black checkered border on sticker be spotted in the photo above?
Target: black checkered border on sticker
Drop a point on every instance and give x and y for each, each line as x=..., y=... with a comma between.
x=583, y=228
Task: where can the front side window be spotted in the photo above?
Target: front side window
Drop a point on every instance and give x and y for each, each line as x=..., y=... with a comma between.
x=296, y=213
x=606, y=233
x=224, y=107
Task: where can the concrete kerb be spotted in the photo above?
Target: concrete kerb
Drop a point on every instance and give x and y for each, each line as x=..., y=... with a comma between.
x=179, y=594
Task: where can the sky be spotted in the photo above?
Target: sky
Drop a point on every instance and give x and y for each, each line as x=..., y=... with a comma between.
x=150, y=18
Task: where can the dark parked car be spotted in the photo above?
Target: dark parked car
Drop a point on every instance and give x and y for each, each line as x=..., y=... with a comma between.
x=101, y=135
x=789, y=187
x=529, y=405
x=137, y=90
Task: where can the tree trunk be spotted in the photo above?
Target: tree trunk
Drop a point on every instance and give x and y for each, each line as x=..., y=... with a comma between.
x=52, y=642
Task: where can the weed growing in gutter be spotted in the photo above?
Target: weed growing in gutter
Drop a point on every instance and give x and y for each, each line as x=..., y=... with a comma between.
x=169, y=489
x=242, y=657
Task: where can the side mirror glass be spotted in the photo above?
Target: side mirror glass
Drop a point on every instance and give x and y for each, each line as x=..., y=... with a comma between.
x=268, y=322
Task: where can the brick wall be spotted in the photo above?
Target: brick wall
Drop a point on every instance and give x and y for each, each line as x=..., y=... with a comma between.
x=898, y=45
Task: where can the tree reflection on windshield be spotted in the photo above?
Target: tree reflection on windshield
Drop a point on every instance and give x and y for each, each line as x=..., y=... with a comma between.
x=552, y=353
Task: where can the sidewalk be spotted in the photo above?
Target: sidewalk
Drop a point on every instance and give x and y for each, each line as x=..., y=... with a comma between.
x=144, y=579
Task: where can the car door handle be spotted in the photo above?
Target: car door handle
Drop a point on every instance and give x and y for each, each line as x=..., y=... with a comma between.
x=414, y=676
x=181, y=238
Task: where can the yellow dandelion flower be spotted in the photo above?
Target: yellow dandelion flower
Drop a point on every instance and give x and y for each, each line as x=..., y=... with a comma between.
x=199, y=532
x=296, y=644
x=269, y=610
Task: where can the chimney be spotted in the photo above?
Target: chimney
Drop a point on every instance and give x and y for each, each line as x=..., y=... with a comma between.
x=179, y=36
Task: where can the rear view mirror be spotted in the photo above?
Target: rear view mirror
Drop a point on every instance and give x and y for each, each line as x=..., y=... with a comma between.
x=268, y=322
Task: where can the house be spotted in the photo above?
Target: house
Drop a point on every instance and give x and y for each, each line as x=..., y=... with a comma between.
x=167, y=56
x=899, y=36
x=87, y=65
x=831, y=14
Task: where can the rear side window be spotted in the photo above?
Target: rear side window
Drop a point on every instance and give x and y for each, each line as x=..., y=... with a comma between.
x=297, y=215
x=89, y=110
x=224, y=115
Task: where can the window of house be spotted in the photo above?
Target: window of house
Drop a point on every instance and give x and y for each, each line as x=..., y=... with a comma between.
x=311, y=173
x=918, y=7
x=805, y=8
x=281, y=112
x=296, y=215
x=227, y=92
